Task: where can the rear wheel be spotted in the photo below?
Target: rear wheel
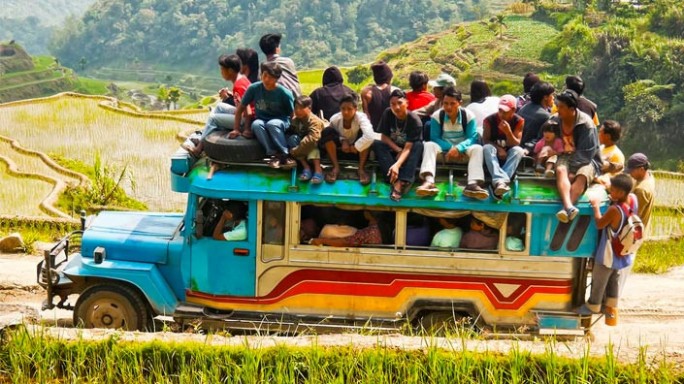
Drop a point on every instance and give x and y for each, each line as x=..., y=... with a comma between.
x=111, y=306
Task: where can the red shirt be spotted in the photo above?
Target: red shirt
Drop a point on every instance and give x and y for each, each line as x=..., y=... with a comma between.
x=418, y=99
x=239, y=89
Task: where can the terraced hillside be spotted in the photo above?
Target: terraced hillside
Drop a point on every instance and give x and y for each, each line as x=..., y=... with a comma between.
x=24, y=77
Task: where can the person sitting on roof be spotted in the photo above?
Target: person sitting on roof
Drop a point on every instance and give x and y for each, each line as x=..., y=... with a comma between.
x=232, y=225
x=303, y=137
x=580, y=161
x=368, y=235
x=501, y=138
x=575, y=83
x=375, y=98
x=400, y=148
x=547, y=149
x=270, y=46
x=349, y=137
x=274, y=105
x=529, y=81
x=327, y=98
x=442, y=81
x=536, y=113
x=453, y=134
x=482, y=103
x=613, y=159
x=250, y=63
x=418, y=97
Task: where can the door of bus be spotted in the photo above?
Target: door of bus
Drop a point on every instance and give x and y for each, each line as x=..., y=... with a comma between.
x=221, y=267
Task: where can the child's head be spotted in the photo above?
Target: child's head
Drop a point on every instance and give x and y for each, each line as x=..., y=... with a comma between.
x=230, y=66
x=302, y=107
x=270, y=43
x=270, y=73
x=609, y=132
x=348, y=106
x=620, y=187
x=550, y=130
x=418, y=81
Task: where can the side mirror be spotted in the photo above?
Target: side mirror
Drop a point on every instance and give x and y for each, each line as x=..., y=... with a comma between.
x=199, y=224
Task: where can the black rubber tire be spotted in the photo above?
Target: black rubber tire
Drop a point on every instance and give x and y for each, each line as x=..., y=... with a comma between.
x=222, y=149
x=113, y=306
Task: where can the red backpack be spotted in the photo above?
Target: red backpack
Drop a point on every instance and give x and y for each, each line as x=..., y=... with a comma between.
x=631, y=235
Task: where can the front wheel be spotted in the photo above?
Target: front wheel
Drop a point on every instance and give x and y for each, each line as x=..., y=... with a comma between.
x=111, y=306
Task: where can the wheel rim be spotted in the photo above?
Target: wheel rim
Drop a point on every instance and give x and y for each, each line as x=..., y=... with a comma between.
x=109, y=311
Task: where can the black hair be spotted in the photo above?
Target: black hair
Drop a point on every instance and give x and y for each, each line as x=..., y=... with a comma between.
x=622, y=182
x=272, y=68
x=541, y=90
x=250, y=58
x=237, y=208
x=613, y=129
x=575, y=83
x=230, y=62
x=569, y=98
x=304, y=101
x=417, y=80
x=269, y=43
x=529, y=81
x=350, y=98
x=479, y=90
x=398, y=93
x=452, y=92
x=551, y=126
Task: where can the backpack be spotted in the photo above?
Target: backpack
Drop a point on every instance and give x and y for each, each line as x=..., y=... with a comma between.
x=630, y=237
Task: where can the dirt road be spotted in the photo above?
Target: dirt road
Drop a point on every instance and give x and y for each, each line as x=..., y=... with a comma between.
x=651, y=316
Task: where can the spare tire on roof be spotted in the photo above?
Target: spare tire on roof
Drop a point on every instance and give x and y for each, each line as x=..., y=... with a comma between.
x=220, y=148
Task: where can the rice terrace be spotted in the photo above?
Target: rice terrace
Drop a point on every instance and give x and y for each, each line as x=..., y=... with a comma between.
x=130, y=258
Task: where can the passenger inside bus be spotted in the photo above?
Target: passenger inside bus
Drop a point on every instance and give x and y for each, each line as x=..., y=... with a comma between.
x=274, y=220
x=334, y=222
x=450, y=236
x=232, y=224
x=515, y=232
x=368, y=235
x=480, y=236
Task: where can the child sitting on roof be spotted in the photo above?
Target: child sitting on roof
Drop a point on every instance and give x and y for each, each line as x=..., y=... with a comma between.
x=548, y=148
x=303, y=137
x=613, y=159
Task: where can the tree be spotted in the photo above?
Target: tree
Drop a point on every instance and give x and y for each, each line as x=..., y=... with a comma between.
x=82, y=63
x=358, y=74
x=173, y=96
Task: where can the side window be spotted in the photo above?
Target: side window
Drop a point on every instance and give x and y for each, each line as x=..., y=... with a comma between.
x=224, y=219
x=346, y=226
x=453, y=230
x=516, y=232
x=274, y=222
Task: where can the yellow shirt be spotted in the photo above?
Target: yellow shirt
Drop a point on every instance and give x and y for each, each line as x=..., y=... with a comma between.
x=613, y=155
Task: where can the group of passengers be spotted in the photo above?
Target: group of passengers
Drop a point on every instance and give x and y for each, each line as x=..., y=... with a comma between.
x=410, y=132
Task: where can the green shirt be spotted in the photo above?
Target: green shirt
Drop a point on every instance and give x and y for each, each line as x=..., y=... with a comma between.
x=447, y=238
x=239, y=232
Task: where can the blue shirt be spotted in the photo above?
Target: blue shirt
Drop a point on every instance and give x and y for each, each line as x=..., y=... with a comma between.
x=275, y=104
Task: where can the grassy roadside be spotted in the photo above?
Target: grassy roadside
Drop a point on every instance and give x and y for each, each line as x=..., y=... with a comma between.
x=34, y=357
x=659, y=256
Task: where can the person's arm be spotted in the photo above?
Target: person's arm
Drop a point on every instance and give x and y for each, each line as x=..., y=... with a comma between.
x=337, y=242
x=471, y=136
x=366, y=97
x=538, y=147
x=612, y=216
x=368, y=136
x=309, y=142
x=486, y=132
x=514, y=134
x=436, y=133
x=586, y=145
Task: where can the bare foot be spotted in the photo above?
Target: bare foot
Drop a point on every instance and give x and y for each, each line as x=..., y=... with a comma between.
x=233, y=134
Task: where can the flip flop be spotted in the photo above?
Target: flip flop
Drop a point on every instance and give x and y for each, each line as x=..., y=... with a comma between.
x=331, y=177
x=364, y=179
x=317, y=178
x=306, y=175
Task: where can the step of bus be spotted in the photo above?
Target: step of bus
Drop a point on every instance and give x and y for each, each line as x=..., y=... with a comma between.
x=560, y=323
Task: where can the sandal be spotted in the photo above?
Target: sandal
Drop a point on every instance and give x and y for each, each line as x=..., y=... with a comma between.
x=364, y=179
x=331, y=177
x=306, y=175
x=397, y=193
x=317, y=178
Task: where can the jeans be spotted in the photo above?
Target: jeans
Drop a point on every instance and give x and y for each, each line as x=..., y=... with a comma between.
x=222, y=117
x=386, y=158
x=271, y=135
x=604, y=281
x=502, y=174
x=429, y=165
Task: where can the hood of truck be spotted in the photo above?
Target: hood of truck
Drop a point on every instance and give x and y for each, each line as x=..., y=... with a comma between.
x=132, y=236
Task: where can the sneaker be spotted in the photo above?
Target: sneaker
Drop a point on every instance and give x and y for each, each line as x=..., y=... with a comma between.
x=287, y=163
x=562, y=216
x=549, y=174
x=427, y=189
x=539, y=169
x=572, y=213
x=501, y=189
x=474, y=191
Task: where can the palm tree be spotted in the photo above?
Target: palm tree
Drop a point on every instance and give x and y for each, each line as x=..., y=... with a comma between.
x=497, y=24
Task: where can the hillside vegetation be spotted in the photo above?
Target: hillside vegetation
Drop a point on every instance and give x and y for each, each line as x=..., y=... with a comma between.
x=189, y=35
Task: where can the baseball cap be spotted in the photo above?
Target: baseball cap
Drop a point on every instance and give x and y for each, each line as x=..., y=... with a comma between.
x=637, y=160
x=443, y=80
x=507, y=103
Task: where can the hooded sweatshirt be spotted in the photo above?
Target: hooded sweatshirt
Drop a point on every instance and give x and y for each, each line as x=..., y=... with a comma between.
x=327, y=98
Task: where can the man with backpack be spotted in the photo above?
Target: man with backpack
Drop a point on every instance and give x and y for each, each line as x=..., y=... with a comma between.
x=621, y=235
x=453, y=133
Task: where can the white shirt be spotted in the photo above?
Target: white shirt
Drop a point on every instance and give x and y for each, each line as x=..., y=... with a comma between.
x=489, y=106
x=360, y=122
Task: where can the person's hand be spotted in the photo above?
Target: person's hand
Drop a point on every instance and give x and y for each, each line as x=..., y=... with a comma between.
x=453, y=154
x=501, y=152
x=346, y=147
x=227, y=215
x=594, y=200
x=224, y=92
x=234, y=134
x=505, y=127
x=393, y=173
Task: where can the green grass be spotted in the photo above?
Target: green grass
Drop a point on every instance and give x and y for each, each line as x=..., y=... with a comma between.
x=32, y=356
x=90, y=86
x=43, y=62
x=659, y=256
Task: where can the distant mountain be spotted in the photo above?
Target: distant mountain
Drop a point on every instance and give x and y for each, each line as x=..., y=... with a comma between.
x=190, y=35
x=32, y=22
